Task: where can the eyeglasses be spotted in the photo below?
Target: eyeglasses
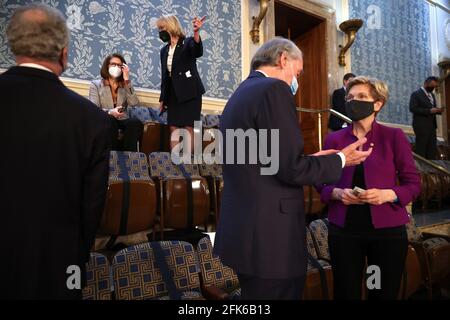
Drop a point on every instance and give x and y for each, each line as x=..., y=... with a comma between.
x=112, y=64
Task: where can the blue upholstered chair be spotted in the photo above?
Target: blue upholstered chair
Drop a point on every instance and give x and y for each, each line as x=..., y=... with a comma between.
x=138, y=276
x=319, y=233
x=319, y=276
x=98, y=286
x=184, y=194
x=434, y=255
x=219, y=281
x=131, y=201
x=155, y=136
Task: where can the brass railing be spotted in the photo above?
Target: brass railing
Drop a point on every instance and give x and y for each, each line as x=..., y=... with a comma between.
x=347, y=120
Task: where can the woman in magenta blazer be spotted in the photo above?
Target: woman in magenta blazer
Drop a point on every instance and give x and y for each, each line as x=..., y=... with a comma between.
x=370, y=224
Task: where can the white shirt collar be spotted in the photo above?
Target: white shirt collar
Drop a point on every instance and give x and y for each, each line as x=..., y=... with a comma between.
x=426, y=92
x=36, y=66
x=265, y=74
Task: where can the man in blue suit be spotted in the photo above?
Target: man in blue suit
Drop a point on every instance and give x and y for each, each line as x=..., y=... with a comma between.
x=424, y=108
x=55, y=159
x=261, y=232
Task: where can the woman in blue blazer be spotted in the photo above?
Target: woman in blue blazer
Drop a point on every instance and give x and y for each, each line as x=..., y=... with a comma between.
x=181, y=86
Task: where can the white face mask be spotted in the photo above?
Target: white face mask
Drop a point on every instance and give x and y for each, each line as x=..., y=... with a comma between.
x=115, y=71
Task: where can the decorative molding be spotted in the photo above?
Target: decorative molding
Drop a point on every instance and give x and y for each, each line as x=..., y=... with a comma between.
x=319, y=9
x=146, y=97
x=439, y=5
x=322, y=4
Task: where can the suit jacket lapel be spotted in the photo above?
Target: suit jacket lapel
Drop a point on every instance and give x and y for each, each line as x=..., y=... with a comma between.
x=165, y=53
x=427, y=99
x=177, y=53
x=106, y=96
x=121, y=97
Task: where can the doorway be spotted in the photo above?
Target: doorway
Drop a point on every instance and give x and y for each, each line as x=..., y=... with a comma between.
x=308, y=32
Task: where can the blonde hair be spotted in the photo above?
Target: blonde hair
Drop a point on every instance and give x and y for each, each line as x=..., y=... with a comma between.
x=172, y=25
x=378, y=89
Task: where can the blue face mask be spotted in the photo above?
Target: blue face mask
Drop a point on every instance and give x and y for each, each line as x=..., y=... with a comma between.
x=294, y=82
x=294, y=85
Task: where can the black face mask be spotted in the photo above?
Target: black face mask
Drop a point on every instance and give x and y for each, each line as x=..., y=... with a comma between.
x=61, y=63
x=164, y=36
x=358, y=110
x=429, y=89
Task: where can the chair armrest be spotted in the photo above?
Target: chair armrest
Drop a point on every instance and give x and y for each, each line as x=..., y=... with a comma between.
x=427, y=235
x=215, y=293
x=423, y=259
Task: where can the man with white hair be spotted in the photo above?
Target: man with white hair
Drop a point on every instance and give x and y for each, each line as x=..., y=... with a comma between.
x=261, y=232
x=54, y=164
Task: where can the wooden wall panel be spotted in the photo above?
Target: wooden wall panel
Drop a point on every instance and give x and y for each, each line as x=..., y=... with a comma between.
x=313, y=90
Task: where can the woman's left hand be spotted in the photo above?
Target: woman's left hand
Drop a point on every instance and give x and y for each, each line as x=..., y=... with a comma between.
x=197, y=23
x=125, y=72
x=378, y=196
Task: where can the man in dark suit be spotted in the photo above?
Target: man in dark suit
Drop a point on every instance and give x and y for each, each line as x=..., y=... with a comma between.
x=54, y=164
x=261, y=232
x=424, y=108
x=338, y=103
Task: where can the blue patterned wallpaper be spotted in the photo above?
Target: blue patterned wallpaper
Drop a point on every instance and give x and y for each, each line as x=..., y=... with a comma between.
x=101, y=27
x=394, y=45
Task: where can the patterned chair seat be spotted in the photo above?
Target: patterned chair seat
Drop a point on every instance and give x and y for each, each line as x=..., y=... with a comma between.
x=161, y=166
x=146, y=114
x=98, y=278
x=319, y=232
x=188, y=295
x=319, y=282
x=211, y=170
x=175, y=187
x=127, y=165
x=137, y=276
x=215, y=274
x=131, y=198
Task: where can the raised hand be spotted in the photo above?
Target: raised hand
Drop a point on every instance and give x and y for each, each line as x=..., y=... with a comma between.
x=197, y=23
x=353, y=156
x=125, y=72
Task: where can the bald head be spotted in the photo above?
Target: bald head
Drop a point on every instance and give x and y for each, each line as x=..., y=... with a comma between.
x=38, y=31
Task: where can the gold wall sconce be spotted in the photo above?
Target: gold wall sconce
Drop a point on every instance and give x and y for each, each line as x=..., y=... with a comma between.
x=350, y=28
x=254, y=33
